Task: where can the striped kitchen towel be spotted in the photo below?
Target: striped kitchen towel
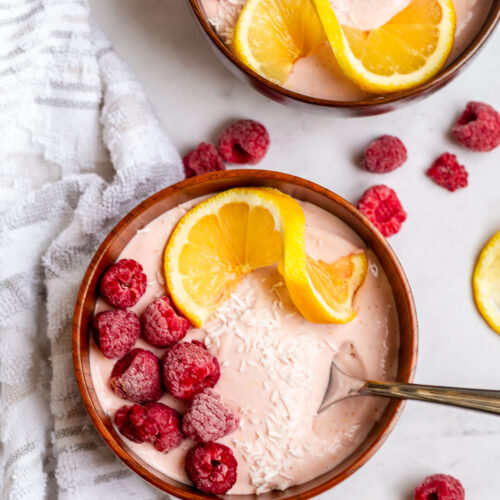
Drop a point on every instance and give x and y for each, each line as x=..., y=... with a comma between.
x=79, y=147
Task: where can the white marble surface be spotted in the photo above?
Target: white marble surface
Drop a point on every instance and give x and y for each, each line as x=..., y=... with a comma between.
x=196, y=97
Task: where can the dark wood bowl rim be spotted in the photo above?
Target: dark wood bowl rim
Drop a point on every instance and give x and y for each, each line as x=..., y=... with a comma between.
x=433, y=84
x=263, y=175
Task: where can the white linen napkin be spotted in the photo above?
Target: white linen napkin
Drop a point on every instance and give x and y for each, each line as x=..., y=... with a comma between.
x=79, y=147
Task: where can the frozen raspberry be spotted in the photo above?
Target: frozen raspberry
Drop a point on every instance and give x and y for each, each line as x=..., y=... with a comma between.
x=204, y=158
x=188, y=368
x=137, y=377
x=154, y=423
x=212, y=468
x=208, y=418
x=384, y=154
x=123, y=284
x=135, y=424
x=382, y=206
x=478, y=128
x=168, y=421
x=245, y=141
x=440, y=487
x=116, y=331
x=162, y=326
x=448, y=173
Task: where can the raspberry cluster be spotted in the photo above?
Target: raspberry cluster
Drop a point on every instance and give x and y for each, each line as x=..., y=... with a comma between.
x=243, y=142
x=478, y=129
x=187, y=371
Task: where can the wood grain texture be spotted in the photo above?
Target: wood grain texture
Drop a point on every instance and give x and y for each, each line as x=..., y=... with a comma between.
x=367, y=107
x=211, y=183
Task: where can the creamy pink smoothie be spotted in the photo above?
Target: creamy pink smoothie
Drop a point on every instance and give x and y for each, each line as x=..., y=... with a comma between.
x=274, y=363
x=318, y=75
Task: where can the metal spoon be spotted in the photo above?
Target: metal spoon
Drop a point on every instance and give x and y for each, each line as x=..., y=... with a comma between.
x=342, y=386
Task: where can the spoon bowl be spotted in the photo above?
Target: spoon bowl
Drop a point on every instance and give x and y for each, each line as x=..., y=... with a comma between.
x=211, y=183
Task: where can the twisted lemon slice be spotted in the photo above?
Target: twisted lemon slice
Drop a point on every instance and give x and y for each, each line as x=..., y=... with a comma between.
x=406, y=51
x=486, y=282
x=236, y=231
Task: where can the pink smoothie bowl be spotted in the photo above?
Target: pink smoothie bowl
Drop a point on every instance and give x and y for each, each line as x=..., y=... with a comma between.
x=366, y=107
x=206, y=184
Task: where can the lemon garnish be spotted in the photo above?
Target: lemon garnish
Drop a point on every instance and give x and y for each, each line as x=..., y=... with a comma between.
x=405, y=52
x=242, y=229
x=271, y=35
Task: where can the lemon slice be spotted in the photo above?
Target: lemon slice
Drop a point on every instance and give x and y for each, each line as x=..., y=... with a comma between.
x=242, y=229
x=486, y=282
x=405, y=52
x=271, y=35
x=217, y=242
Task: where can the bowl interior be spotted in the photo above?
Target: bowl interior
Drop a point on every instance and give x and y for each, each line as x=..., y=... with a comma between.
x=210, y=183
x=369, y=106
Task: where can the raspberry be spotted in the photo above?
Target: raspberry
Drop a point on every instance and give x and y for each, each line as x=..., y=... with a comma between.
x=440, y=487
x=478, y=128
x=116, y=331
x=448, y=173
x=153, y=423
x=208, y=418
x=245, y=141
x=382, y=206
x=212, y=468
x=188, y=368
x=384, y=154
x=137, y=377
x=204, y=158
x=123, y=284
x=161, y=324
x=168, y=422
x=135, y=424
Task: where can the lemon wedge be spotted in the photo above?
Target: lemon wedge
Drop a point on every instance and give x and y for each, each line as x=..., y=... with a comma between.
x=486, y=282
x=334, y=286
x=403, y=53
x=271, y=35
x=242, y=229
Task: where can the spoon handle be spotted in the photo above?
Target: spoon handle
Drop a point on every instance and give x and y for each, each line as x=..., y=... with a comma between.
x=474, y=399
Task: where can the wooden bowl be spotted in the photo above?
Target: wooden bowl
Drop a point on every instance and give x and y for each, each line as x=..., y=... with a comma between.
x=366, y=107
x=211, y=183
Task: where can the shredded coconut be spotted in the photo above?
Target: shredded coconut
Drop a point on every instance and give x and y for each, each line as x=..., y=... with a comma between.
x=373, y=269
x=159, y=278
x=280, y=364
x=283, y=362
